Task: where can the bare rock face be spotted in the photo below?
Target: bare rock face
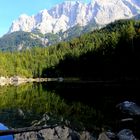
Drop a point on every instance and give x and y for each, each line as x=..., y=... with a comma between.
x=71, y=13
x=57, y=133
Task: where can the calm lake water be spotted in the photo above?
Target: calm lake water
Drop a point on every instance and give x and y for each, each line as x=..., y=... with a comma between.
x=84, y=104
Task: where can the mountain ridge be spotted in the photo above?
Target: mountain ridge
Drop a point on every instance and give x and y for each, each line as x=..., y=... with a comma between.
x=26, y=37
x=68, y=14
x=21, y=40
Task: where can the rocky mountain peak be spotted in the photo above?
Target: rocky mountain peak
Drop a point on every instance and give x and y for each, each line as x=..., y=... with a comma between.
x=70, y=13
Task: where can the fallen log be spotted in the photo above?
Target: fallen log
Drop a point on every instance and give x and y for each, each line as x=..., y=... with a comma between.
x=25, y=129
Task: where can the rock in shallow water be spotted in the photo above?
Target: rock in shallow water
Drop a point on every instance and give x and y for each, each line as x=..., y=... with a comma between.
x=126, y=134
x=129, y=107
x=103, y=136
x=57, y=133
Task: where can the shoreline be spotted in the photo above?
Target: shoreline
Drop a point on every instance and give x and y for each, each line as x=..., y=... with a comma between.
x=17, y=80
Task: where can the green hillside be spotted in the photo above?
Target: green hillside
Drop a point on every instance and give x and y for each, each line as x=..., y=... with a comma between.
x=19, y=41
x=109, y=53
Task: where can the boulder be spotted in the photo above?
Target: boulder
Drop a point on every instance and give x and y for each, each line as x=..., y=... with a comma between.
x=103, y=136
x=130, y=108
x=57, y=133
x=126, y=134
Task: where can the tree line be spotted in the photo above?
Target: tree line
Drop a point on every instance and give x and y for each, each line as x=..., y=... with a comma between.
x=109, y=53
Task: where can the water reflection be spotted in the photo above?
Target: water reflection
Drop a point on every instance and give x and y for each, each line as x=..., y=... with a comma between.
x=22, y=105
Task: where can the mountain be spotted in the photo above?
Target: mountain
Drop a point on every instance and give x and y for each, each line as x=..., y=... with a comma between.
x=137, y=17
x=66, y=21
x=21, y=40
x=71, y=13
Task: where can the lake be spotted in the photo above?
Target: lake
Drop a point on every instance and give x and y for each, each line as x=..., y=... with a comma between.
x=90, y=105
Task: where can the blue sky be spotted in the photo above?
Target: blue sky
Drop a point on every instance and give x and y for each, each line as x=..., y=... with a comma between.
x=11, y=9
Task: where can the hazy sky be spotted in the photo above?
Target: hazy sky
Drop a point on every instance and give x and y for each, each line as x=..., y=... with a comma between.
x=11, y=9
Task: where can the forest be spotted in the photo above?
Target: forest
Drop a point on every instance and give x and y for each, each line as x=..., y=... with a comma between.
x=111, y=53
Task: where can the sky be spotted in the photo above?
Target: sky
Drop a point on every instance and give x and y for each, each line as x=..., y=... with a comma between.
x=10, y=10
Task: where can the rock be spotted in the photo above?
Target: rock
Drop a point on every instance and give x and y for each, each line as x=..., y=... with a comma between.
x=103, y=136
x=129, y=107
x=86, y=136
x=3, y=81
x=20, y=112
x=57, y=133
x=17, y=80
x=126, y=134
x=110, y=134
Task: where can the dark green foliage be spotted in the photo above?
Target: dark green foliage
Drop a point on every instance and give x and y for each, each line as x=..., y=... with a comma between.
x=52, y=38
x=72, y=32
x=91, y=27
x=78, y=30
x=105, y=54
x=19, y=41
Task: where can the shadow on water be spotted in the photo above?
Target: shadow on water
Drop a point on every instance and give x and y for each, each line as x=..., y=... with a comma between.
x=102, y=95
x=96, y=92
x=22, y=105
x=90, y=104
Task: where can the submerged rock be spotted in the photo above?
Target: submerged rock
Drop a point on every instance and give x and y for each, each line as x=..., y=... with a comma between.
x=129, y=107
x=110, y=134
x=126, y=134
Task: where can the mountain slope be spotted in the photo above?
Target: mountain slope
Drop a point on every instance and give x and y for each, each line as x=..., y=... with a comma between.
x=71, y=13
x=19, y=41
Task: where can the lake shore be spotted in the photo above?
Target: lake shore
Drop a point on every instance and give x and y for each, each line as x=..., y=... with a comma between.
x=17, y=80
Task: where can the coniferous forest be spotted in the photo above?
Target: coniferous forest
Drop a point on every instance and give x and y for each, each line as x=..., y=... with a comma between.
x=111, y=53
